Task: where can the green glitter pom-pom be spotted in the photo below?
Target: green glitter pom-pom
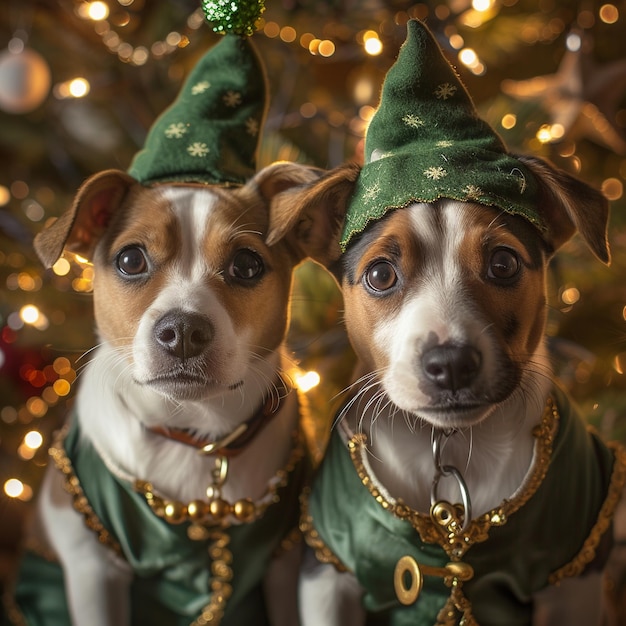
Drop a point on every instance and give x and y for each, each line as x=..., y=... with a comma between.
x=229, y=16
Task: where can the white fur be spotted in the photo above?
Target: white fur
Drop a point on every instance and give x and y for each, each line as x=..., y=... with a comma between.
x=115, y=406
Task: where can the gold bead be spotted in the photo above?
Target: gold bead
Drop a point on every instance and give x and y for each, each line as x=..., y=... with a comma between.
x=174, y=512
x=197, y=510
x=244, y=510
x=219, y=508
x=195, y=532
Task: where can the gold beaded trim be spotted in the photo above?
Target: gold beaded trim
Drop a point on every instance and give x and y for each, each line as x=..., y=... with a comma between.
x=322, y=552
x=456, y=603
x=588, y=551
x=72, y=485
x=216, y=510
x=452, y=538
x=222, y=574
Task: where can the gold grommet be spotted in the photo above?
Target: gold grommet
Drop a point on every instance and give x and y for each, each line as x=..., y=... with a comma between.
x=407, y=571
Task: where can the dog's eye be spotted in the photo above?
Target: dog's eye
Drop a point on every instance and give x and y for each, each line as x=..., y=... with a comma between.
x=246, y=265
x=504, y=264
x=381, y=276
x=132, y=261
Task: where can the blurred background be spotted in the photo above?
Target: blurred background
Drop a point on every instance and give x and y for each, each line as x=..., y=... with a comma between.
x=81, y=82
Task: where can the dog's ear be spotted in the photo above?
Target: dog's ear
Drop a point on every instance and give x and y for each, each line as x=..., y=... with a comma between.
x=79, y=228
x=312, y=214
x=570, y=205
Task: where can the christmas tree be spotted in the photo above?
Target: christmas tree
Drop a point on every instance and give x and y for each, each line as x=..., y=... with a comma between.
x=81, y=82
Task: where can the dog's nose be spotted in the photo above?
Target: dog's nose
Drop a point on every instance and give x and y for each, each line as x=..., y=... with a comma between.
x=451, y=367
x=183, y=334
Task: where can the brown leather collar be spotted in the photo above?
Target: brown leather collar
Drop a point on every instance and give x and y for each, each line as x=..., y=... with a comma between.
x=234, y=443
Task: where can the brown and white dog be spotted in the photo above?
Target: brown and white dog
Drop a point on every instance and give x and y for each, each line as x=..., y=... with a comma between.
x=445, y=306
x=191, y=294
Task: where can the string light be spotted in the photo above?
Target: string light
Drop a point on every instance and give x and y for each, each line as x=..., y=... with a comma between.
x=96, y=11
x=14, y=488
x=508, y=121
x=307, y=380
x=371, y=43
x=470, y=59
x=74, y=88
x=570, y=295
x=482, y=5
x=609, y=13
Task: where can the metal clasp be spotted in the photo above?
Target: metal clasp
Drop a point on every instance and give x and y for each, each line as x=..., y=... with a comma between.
x=218, y=474
x=442, y=470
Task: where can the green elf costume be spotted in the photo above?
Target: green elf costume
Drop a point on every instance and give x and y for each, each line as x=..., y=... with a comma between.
x=426, y=142
x=187, y=570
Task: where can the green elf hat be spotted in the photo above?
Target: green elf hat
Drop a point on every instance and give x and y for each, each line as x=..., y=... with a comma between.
x=210, y=133
x=426, y=142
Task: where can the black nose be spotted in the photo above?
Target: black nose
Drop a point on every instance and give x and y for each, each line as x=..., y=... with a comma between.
x=182, y=334
x=451, y=367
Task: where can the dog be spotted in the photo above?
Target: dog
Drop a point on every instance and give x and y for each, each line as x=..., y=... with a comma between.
x=184, y=403
x=453, y=401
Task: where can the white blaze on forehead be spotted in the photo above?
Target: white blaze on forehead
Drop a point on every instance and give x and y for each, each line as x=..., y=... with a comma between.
x=193, y=209
x=437, y=304
x=187, y=283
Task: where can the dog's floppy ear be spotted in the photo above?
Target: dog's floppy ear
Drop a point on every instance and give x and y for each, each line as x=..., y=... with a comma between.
x=79, y=228
x=570, y=205
x=313, y=214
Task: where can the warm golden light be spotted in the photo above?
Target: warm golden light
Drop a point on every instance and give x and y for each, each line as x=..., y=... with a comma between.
x=612, y=189
x=61, y=387
x=33, y=439
x=29, y=314
x=97, y=11
x=326, y=48
x=468, y=57
x=14, y=488
x=570, y=296
x=609, y=13
x=62, y=366
x=508, y=121
x=307, y=381
x=61, y=267
x=5, y=195
x=78, y=88
x=36, y=406
x=372, y=44
x=271, y=30
x=288, y=34
x=481, y=5
x=543, y=134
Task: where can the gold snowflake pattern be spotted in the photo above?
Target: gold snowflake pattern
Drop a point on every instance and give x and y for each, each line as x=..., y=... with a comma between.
x=472, y=192
x=175, y=131
x=435, y=173
x=252, y=126
x=200, y=87
x=413, y=121
x=198, y=149
x=445, y=91
x=232, y=99
x=371, y=192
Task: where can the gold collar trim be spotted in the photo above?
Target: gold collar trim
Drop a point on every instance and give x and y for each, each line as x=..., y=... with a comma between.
x=455, y=541
x=217, y=511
